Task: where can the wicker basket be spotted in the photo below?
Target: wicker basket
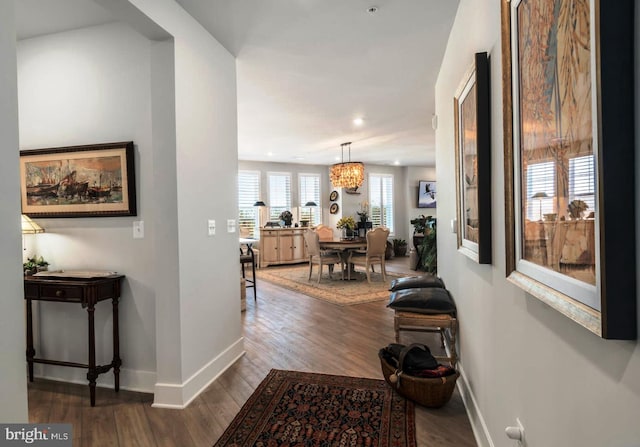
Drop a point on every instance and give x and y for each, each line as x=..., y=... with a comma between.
x=432, y=393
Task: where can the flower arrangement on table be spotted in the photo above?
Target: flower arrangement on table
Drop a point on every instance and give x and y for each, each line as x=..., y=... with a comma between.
x=347, y=223
x=363, y=214
x=286, y=216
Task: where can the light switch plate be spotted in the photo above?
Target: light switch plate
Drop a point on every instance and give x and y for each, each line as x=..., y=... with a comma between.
x=231, y=225
x=138, y=229
x=212, y=227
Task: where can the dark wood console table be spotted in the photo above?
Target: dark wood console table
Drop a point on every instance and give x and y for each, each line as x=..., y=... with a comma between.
x=87, y=292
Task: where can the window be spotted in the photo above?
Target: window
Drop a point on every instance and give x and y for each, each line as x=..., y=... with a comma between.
x=279, y=194
x=381, y=200
x=310, y=192
x=582, y=180
x=541, y=189
x=248, y=194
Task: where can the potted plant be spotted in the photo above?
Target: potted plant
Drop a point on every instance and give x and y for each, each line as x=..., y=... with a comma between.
x=399, y=247
x=428, y=251
x=347, y=225
x=34, y=265
x=286, y=217
x=420, y=226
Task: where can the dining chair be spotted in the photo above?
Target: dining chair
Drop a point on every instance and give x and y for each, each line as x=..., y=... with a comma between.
x=325, y=233
x=376, y=247
x=317, y=256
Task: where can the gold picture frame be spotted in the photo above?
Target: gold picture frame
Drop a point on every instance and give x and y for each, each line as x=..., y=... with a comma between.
x=95, y=180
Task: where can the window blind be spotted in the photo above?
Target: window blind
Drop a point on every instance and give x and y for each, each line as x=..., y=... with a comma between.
x=310, y=192
x=381, y=200
x=582, y=181
x=540, y=178
x=279, y=194
x=248, y=194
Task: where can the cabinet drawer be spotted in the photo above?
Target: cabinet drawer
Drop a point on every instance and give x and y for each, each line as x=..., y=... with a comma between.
x=62, y=293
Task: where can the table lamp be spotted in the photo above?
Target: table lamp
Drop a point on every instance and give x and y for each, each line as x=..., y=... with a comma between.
x=311, y=204
x=261, y=205
x=540, y=196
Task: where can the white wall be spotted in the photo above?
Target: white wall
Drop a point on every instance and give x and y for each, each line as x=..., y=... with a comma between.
x=82, y=87
x=176, y=99
x=13, y=382
x=519, y=357
x=206, y=168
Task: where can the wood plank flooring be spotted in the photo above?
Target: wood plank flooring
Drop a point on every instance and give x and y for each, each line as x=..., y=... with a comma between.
x=284, y=330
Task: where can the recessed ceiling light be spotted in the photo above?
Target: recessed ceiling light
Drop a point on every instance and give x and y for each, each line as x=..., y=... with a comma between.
x=358, y=121
x=299, y=158
x=270, y=154
x=396, y=162
x=372, y=9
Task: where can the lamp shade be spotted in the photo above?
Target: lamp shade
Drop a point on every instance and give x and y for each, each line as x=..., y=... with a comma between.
x=349, y=174
x=539, y=195
x=30, y=227
x=259, y=203
x=311, y=203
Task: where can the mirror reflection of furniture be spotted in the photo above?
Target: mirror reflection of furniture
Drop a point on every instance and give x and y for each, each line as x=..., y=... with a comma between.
x=320, y=257
x=376, y=247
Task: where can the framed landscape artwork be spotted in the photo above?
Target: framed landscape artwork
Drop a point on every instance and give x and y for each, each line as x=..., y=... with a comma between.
x=569, y=151
x=472, y=112
x=78, y=181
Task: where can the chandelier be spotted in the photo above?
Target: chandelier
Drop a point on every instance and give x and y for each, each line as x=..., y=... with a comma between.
x=348, y=174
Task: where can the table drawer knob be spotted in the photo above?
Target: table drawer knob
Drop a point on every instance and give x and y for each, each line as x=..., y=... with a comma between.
x=59, y=293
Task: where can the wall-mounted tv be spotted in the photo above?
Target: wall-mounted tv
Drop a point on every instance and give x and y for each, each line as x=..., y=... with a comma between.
x=426, y=194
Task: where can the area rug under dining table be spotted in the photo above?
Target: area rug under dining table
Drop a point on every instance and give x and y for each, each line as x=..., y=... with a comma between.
x=291, y=408
x=336, y=291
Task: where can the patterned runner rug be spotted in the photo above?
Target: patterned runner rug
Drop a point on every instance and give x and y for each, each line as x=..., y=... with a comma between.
x=336, y=291
x=292, y=408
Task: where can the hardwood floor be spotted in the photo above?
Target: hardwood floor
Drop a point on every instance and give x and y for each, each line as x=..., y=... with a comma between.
x=284, y=330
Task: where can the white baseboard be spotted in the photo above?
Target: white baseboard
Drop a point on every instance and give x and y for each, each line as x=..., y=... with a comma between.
x=479, y=427
x=178, y=396
x=130, y=379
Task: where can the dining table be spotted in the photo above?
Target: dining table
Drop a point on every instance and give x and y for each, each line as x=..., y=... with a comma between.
x=344, y=247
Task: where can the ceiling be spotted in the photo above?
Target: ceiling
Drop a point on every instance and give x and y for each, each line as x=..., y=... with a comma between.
x=307, y=68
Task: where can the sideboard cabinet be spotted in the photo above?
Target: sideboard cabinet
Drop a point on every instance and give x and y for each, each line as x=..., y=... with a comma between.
x=282, y=246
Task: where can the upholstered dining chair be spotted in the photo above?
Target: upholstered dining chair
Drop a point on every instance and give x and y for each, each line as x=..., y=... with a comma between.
x=325, y=233
x=376, y=247
x=317, y=256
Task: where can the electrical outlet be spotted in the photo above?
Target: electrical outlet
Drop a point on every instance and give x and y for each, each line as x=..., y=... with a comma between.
x=212, y=227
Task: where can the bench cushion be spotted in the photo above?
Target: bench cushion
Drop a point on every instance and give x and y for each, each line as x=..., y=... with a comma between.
x=432, y=300
x=416, y=282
